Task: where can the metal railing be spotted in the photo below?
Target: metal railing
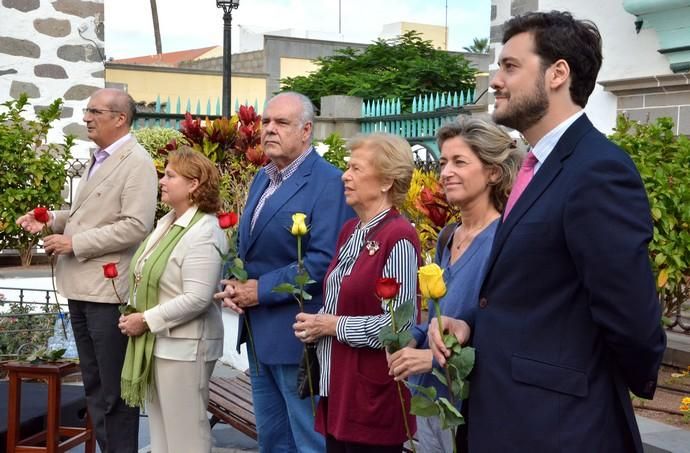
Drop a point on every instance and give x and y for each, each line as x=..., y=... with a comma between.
x=27, y=317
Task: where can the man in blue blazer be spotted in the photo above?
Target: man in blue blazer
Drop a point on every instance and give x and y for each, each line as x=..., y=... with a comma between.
x=568, y=320
x=296, y=180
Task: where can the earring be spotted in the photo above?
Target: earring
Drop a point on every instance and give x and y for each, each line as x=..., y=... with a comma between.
x=191, y=197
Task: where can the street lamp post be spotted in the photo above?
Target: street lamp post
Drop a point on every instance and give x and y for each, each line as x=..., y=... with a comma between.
x=227, y=6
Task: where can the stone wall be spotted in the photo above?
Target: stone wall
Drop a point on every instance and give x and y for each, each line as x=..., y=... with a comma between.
x=53, y=49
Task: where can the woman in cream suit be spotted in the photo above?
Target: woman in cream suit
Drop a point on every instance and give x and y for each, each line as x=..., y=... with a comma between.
x=176, y=333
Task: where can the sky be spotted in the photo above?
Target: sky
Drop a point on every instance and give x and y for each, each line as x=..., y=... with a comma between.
x=199, y=23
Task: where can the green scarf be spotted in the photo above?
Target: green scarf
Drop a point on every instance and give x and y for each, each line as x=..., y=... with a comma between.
x=136, y=377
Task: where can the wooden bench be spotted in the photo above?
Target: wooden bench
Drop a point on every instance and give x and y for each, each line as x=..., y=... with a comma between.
x=230, y=401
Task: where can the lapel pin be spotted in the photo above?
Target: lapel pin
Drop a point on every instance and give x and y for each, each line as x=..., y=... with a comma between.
x=372, y=247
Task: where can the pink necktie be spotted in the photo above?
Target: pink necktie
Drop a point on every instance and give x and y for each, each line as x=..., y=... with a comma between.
x=524, y=176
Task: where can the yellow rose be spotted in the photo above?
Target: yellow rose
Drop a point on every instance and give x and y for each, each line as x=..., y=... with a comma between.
x=686, y=400
x=431, y=282
x=299, y=228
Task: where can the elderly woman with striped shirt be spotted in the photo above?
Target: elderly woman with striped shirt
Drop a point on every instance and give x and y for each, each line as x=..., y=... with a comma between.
x=359, y=408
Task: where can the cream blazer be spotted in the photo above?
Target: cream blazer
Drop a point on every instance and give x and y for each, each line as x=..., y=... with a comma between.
x=112, y=213
x=187, y=321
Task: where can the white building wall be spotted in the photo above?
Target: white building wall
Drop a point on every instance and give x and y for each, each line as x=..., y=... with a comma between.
x=42, y=53
x=626, y=53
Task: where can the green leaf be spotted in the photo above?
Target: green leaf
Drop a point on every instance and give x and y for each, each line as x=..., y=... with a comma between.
x=440, y=376
x=428, y=392
x=284, y=288
x=451, y=416
x=423, y=407
x=302, y=279
x=405, y=312
x=240, y=274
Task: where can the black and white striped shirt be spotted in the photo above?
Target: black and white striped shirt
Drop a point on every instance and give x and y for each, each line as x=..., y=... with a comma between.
x=363, y=331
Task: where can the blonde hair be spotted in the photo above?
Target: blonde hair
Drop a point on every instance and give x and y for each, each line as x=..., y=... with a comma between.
x=192, y=164
x=392, y=159
x=494, y=148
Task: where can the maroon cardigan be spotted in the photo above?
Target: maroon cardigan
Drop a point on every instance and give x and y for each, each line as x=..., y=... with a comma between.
x=363, y=405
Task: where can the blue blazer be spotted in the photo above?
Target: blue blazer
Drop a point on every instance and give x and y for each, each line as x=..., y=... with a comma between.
x=568, y=316
x=269, y=251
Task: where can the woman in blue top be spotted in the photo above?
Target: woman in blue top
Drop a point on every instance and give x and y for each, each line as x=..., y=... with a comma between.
x=479, y=162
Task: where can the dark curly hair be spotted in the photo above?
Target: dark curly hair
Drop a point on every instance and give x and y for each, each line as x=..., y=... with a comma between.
x=557, y=35
x=192, y=164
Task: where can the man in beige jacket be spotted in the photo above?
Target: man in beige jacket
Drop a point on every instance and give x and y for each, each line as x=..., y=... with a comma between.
x=113, y=211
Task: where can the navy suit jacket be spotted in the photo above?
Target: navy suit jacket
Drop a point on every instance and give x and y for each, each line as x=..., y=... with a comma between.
x=269, y=251
x=568, y=316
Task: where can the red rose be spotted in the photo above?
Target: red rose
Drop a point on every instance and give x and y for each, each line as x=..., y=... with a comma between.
x=110, y=270
x=387, y=288
x=41, y=215
x=227, y=219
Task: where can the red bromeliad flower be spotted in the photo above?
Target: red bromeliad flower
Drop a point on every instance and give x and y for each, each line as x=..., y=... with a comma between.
x=433, y=205
x=256, y=155
x=386, y=288
x=110, y=270
x=227, y=219
x=41, y=215
x=247, y=115
x=191, y=128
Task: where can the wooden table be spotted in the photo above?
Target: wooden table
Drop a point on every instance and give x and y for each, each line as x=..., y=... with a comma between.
x=55, y=438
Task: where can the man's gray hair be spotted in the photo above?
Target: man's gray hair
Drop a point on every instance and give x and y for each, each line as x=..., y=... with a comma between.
x=307, y=115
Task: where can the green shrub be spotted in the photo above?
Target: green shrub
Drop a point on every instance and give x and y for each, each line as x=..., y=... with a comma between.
x=32, y=171
x=337, y=151
x=663, y=160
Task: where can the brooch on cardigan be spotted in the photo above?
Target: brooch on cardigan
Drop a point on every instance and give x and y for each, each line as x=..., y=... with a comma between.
x=372, y=247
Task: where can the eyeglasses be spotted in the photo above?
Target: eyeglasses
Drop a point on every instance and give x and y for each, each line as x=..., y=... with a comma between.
x=98, y=111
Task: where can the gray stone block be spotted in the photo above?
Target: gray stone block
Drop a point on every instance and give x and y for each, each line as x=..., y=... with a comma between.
x=66, y=112
x=78, y=8
x=339, y=106
x=17, y=88
x=22, y=5
x=79, y=92
x=76, y=129
x=19, y=47
x=75, y=53
x=98, y=74
x=51, y=71
x=53, y=27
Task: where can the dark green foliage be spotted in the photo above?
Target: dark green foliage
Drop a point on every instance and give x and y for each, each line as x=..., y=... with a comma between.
x=402, y=67
x=663, y=160
x=32, y=171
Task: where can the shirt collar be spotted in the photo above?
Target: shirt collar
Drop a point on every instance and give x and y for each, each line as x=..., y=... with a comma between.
x=183, y=221
x=542, y=149
x=277, y=175
x=116, y=144
x=374, y=221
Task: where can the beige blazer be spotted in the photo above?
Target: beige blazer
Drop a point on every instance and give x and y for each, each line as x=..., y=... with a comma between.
x=112, y=212
x=187, y=321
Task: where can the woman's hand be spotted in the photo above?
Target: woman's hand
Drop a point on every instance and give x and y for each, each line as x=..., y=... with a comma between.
x=309, y=328
x=408, y=361
x=132, y=325
x=456, y=327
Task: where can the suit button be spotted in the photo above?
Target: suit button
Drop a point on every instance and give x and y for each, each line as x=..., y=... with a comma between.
x=483, y=302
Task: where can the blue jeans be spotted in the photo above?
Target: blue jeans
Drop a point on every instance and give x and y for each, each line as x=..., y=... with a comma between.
x=284, y=422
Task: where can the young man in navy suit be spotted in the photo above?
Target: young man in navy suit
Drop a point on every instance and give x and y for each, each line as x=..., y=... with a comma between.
x=296, y=180
x=569, y=319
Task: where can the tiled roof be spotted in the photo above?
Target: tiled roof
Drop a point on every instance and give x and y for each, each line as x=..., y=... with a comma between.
x=170, y=59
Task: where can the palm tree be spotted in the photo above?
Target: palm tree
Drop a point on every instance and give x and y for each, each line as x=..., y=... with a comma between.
x=479, y=45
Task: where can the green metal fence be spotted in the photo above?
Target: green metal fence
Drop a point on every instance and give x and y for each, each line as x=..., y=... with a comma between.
x=429, y=113
x=167, y=114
